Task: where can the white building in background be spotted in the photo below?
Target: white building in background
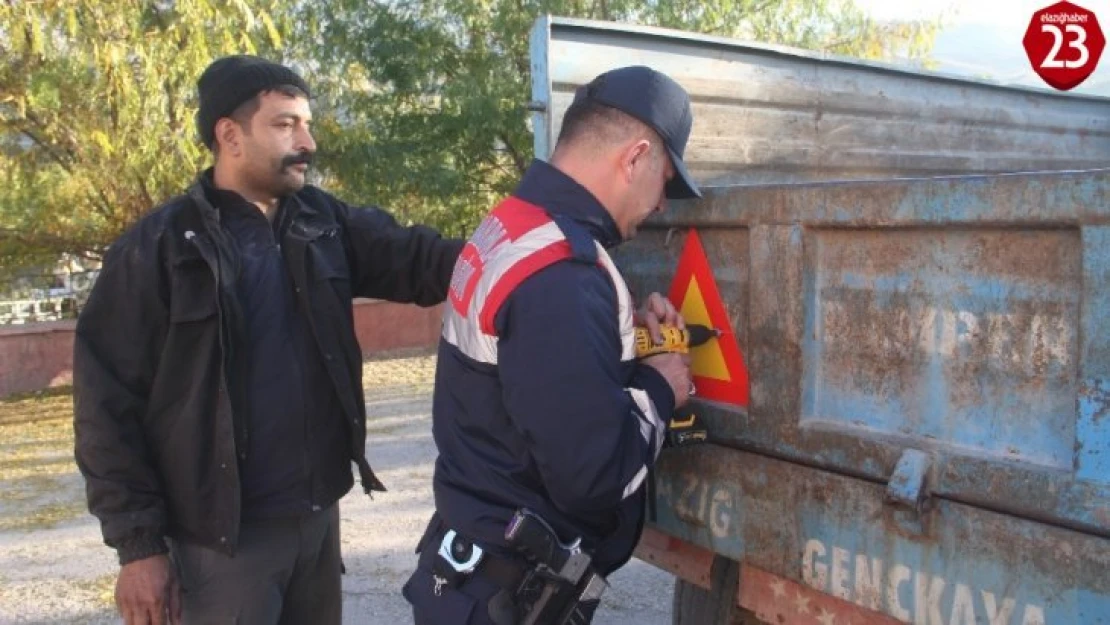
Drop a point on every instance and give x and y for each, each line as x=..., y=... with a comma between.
x=50, y=294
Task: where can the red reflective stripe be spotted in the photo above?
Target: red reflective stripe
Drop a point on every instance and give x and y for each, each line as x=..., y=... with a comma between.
x=464, y=278
x=516, y=274
x=510, y=220
x=519, y=217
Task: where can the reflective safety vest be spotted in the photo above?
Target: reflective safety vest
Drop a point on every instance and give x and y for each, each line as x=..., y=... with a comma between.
x=516, y=240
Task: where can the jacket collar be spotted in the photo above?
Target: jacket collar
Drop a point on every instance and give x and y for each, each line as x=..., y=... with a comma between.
x=559, y=194
x=210, y=200
x=198, y=193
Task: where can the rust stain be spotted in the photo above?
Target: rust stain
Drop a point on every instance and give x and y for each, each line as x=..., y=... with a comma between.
x=1103, y=515
x=1097, y=395
x=776, y=599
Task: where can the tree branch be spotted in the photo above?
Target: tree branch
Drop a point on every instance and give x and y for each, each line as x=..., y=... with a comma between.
x=101, y=204
x=143, y=188
x=518, y=158
x=50, y=150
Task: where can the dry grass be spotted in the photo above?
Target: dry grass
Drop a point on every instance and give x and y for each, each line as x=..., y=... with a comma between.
x=40, y=486
x=399, y=374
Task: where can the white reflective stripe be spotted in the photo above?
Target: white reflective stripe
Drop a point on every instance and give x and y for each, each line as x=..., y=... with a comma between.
x=624, y=306
x=503, y=258
x=634, y=485
x=650, y=419
x=465, y=332
x=468, y=338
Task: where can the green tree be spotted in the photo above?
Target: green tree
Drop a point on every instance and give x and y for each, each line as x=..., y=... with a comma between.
x=97, y=112
x=423, y=101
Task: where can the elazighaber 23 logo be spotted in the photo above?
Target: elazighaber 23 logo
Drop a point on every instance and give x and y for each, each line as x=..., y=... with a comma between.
x=1064, y=43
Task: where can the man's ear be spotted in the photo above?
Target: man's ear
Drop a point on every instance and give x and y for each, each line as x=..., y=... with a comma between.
x=634, y=154
x=228, y=135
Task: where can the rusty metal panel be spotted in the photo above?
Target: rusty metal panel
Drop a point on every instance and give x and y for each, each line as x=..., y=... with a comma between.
x=940, y=345
x=1093, y=427
x=966, y=317
x=965, y=337
x=773, y=114
x=950, y=563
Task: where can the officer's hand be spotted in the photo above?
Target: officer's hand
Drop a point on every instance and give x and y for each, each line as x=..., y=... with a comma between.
x=676, y=369
x=147, y=592
x=658, y=310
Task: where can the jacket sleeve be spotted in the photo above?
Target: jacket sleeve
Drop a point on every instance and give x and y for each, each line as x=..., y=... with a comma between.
x=401, y=264
x=593, y=428
x=115, y=355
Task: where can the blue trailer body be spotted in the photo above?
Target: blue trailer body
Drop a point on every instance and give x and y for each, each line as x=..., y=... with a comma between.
x=930, y=415
x=928, y=434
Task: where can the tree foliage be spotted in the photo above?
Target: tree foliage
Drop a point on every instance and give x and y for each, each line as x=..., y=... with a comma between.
x=424, y=101
x=421, y=107
x=97, y=112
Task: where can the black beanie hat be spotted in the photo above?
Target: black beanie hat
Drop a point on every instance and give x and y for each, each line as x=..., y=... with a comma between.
x=231, y=81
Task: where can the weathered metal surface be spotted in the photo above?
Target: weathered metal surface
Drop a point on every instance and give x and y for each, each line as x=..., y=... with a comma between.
x=967, y=337
x=1093, y=427
x=907, y=485
x=682, y=559
x=776, y=599
x=836, y=535
x=967, y=318
x=962, y=320
x=772, y=114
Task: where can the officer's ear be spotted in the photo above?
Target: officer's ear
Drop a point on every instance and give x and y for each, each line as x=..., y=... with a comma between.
x=634, y=156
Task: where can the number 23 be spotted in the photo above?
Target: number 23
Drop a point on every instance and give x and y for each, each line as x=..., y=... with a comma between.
x=1058, y=41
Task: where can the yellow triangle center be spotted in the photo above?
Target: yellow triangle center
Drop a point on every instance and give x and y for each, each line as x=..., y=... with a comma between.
x=707, y=361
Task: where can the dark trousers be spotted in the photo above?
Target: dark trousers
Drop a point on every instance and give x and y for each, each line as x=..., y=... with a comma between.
x=468, y=604
x=285, y=572
x=476, y=599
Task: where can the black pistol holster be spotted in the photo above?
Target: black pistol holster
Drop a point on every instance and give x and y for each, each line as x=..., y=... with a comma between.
x=562, y=587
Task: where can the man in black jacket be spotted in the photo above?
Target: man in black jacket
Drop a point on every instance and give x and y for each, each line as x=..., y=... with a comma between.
x=217, y=377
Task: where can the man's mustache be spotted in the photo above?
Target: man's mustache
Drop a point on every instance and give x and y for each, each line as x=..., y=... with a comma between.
x=300, y=158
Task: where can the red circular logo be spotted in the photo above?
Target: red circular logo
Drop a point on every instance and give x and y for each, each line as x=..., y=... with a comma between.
x=1064, y=43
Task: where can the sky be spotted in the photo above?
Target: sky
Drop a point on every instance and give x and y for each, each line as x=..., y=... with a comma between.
x=982, y=38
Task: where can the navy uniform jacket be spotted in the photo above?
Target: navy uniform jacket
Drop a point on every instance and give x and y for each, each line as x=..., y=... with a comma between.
x=557, y=417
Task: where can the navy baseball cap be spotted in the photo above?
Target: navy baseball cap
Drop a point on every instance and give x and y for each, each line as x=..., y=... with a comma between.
x=656, y=100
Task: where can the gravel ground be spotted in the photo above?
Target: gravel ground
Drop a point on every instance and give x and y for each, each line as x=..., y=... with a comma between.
x=54, y=569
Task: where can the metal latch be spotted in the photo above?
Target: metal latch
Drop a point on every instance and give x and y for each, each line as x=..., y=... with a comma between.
x=907, y=484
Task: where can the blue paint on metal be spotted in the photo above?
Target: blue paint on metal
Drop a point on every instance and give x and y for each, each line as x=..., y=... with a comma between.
x=907, y=483
x=997, y=366
x=1093, y=427
x=1093, y=430
x=936, y=582
x=1091, y=607
x=1018, y=428
x=935, y=341
x=964, y=291
x=950, y=563
x=539, y=50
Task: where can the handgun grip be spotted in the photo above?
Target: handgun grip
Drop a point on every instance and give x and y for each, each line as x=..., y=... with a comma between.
x=530, y=534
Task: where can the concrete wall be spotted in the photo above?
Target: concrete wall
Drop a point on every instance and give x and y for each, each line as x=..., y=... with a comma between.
x=40, y=355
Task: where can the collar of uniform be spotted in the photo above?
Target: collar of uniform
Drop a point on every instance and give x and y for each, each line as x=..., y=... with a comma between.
x=558, y=193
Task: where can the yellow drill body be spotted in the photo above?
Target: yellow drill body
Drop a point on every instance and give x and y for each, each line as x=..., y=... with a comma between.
x=675, y=340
